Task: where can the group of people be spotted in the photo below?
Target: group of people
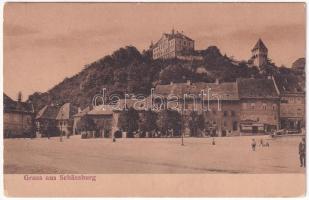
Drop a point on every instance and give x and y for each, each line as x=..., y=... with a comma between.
x=301, y=149
x=261, y=144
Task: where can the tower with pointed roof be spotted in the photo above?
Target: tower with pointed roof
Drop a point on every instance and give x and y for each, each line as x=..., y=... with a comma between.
x=259, y=54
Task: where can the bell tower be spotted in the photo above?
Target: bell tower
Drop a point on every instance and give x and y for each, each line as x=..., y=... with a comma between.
x=259, y=54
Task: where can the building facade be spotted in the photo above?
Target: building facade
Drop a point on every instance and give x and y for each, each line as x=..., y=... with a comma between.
x=172, y=45
x=217, y=102
x=17, y=118
x=65, y=119
x=46, y=123
x=292, y=110
x=259, y=105
x=77, y=117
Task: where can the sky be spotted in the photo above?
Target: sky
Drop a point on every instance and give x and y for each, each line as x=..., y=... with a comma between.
x=47, y=42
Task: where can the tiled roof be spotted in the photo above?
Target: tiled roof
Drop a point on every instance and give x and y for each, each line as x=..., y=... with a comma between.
x=9, y=105
x=225, y=91
x=65, y=112
x=48, y=112
x=83, y=112
x=257, y=88
x=171, y=36
x=138, y=104
x=101, y=110
x=259, y=45
x=177, y=35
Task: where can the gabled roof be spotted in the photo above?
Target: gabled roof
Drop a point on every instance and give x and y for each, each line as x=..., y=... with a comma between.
x=66, y=112
x=257, y=88
x=101, y=110
x=223, y=91
x=9, y=105
x=83, y=112
x=260, y=45
x=136, y=103
x=171, y=36
x=48, y=112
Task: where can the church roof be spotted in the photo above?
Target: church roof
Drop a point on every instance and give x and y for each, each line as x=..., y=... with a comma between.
x=260, y=45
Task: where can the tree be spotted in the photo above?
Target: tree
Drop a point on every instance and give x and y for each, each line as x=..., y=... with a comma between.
x=169, y=120
x=128, y=121
x=86, y=124
x=148, y=121
x=174, y=73
x=196, y=123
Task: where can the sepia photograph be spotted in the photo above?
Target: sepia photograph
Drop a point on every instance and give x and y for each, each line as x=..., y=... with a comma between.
x=94, y=90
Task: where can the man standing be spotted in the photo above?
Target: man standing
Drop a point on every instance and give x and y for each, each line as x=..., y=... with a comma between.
x=302, y=152
x=253, y=144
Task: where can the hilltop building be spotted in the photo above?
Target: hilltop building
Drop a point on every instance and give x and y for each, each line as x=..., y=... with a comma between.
x=172, y=45
x=259, y=54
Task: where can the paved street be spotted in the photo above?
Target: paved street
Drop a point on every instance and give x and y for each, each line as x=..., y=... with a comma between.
x=151, y=155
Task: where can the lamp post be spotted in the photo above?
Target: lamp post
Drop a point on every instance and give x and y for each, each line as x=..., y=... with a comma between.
x=182, y=136
x=61, y=127
x=60, y=131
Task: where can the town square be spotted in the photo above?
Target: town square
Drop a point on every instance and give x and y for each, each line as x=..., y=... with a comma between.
x=151, y=155
x=92, y=90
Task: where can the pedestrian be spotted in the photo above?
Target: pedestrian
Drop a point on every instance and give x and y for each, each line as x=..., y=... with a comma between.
x=253, y=144
x=114, y=138
x=261, y=143
x=213, y=141
x=302, y=152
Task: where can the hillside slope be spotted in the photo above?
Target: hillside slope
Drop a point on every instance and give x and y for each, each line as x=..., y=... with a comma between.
x=129, y=71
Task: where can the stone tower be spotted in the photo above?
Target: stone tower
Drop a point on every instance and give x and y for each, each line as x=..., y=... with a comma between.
x=259, y=54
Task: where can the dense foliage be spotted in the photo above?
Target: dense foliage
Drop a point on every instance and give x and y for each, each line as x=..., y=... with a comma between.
x=129, y=71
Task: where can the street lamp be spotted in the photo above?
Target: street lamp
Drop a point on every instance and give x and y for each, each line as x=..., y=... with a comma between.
x=182, y=121
x=61, y=127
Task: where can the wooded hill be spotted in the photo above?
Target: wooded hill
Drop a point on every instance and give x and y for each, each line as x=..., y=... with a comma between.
x=129, y=71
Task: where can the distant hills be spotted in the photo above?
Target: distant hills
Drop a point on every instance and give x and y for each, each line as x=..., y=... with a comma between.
x=129, y=71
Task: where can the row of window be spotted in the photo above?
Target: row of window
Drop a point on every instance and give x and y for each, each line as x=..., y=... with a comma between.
x=253, y=106
x=292, y=100
x=165, y=45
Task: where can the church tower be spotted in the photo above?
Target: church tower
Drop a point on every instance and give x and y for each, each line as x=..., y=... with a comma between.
x=259, y=54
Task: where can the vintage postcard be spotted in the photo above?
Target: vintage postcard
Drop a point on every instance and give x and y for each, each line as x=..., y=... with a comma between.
x=154, y=99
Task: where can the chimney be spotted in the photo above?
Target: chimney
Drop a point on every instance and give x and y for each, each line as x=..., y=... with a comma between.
x=173, y=31
x=217, y=81
x=171, y=83
x=19, y=97
x=188, y=82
